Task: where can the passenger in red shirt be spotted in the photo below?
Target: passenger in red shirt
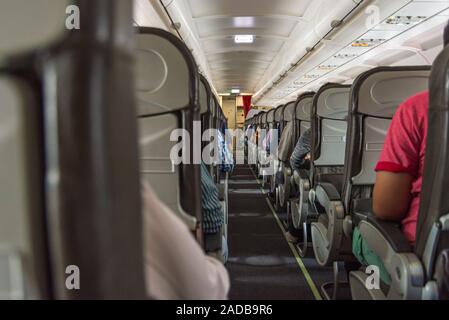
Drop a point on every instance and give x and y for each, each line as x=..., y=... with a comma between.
x=399, y=176
x=400, y=168
x=399, y=172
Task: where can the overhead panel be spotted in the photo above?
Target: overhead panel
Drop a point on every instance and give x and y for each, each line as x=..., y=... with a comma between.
x=241, y=65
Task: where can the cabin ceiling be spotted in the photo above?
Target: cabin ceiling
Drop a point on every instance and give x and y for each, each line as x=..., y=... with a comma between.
x=300, y=44
x=241, y=66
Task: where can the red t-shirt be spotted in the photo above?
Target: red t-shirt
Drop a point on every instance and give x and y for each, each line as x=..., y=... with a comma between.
x=404, y=151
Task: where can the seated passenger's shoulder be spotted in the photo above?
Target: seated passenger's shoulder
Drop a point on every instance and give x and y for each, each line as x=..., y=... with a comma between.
x=418, y=101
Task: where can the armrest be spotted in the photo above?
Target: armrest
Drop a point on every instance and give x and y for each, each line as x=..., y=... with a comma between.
x=329, y=190
x=406, y=270
x=300, y=174
x=329, y=198
x=392, y=233
x=221, y=191
x=363, y=208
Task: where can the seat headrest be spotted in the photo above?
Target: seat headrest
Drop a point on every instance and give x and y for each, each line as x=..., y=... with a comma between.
x=205, y=93
x=31, y=25
x=270, y=116
x=304, y=107
x=167, y=76
x=379, y=91
x=289, y=111
x=279, y=113
x=264, y=118
x=332, y=101
x=216, y=108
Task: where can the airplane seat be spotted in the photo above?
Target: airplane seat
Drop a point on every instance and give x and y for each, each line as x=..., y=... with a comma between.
x=206, y=102
x=22, y=237
x=40, y=82
x=329, y=116
x=214, y=117
x=298, y=206
x=376, y=94
x=420, y=272
x=251, y=141
x=164, y=66
x=257, y=140
x=264, y=162
x=277, y=127
x=23, y=263
x=285, y=149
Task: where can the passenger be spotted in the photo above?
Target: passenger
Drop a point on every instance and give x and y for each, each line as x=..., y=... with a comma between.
x=399, y=176
x=175, y=265
x=400, y=168
x=213, y=216
x=301, y=153
x=298, y=160
x=266, y=142
x=226, y=163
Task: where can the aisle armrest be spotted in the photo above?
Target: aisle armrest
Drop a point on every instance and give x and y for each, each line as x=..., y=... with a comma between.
x=389, y=232
x=221, y=191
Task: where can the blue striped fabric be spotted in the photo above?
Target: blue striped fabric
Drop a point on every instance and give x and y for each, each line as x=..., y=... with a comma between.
x=212, y=212
x=226, y=159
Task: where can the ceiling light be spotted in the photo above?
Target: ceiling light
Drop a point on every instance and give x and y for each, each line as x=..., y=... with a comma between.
x=244, y=38
x=235, y=91
x=243, y=22
x=405, y=20
x=224, y=94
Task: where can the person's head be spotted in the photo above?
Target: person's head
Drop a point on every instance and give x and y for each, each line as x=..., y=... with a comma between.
x=446, y=34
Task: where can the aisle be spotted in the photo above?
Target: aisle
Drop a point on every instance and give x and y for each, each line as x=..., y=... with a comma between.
x=261, y=263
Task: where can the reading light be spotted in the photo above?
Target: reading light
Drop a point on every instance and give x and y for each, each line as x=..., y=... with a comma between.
x=405, y=20
x=345, y=56
x=365, y=43
x=244, y=38
x=327, y=67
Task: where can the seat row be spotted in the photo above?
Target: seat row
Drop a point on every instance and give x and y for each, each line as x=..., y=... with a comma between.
x=86, y=115
x=327, y=200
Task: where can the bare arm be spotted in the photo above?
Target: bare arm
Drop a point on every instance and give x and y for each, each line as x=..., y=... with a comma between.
x=391, y=198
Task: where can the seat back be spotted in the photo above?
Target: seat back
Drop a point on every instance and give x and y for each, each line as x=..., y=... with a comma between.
x=23, y=253
x=329, y=114
x=287, y=141
x=206, y=103
x=167, y=91
x=375, y=97
x=72, y=174
x=432, y=237
x=23, y=248
x=216, y=113
x=278, y=118
x=269, y=117
x=303, y=112
x=263, y=124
